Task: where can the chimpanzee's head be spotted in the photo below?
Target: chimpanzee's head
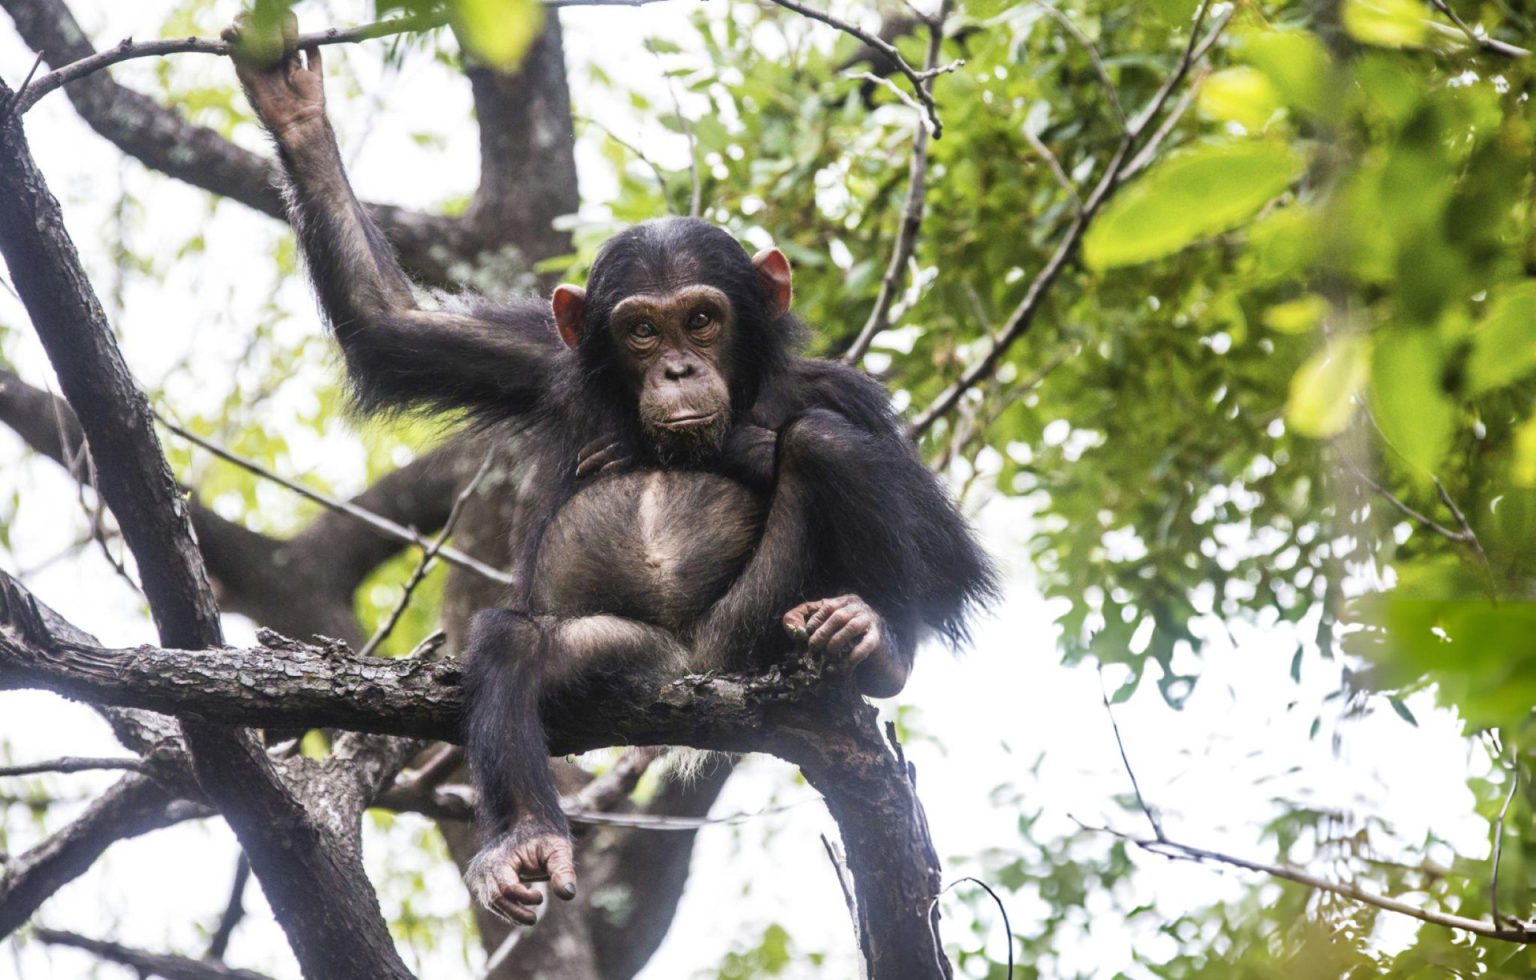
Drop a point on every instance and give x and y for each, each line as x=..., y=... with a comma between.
x=680, y=317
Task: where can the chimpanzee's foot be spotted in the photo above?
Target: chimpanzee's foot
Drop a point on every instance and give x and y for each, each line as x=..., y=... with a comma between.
x=498, y=877
x=840, y=627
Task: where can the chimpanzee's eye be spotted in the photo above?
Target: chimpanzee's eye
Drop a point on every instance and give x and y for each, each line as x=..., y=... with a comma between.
x=644, y=330
x=698, y=321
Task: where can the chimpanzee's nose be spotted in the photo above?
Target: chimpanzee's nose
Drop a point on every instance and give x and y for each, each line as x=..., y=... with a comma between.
x=677, y=370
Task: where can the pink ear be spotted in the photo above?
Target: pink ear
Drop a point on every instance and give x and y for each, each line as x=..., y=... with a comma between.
x=773, y=271
x=568, y=303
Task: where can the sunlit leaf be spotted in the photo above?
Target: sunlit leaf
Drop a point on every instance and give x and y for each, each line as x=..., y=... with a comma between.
x=1407, y=399
x=1299, y=315
x=1523, y=466
x=1323, y=391
x=1188, y=197
x=498, y=32
x=1296, y=62
x=1504, y=347
x=1385, y=23
x=1242, y=95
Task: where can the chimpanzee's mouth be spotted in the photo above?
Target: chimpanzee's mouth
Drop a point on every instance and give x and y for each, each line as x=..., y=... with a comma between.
x=688, y=423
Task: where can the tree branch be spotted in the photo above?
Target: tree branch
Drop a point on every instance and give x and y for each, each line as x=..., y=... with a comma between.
x=911, y=216
x=1481, y=41
x=1188, y=852
x=318, y=891
x=885, y=48
x=1023, y=316
x=71, y=764
x=131, y=807
x=147, y=964
x=802, y=713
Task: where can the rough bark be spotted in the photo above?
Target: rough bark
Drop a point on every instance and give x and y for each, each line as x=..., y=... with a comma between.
x=321, y=898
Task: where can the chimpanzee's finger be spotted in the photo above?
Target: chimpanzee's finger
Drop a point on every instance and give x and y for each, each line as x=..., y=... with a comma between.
x=823, y=609
x=518, y=892
x=866, y=646
x=592, y=460
x=562, y=871
x=848, y=637
x=830, y=626
x=312, y=60
x=516, y=913
x=795, y=621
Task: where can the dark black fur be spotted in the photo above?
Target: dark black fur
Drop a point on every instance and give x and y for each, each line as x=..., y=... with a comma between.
x=843, y=506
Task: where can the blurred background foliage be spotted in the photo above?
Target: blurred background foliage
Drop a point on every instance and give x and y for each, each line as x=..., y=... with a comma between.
x=1290, y=379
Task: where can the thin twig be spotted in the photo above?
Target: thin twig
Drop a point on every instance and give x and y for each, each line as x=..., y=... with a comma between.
x=71, y=764
x=1023, y=316
x=129, y=49
x=428, y=559
x=1173, y=850
x=911, y=217
x=1425, y=520
x=234, y=910
x=655, y=168
x=1498, y=846
x=1125, y=760
x=1044, y=153
x=1467, y=534
x=381, y=524
x=619, y=781
x=881, y=45
x=1001, y=908
x=15, y=99
x=1093, y=55
x=1482, y=41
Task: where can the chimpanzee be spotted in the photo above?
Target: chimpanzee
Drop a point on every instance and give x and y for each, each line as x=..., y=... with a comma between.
x=704, y=488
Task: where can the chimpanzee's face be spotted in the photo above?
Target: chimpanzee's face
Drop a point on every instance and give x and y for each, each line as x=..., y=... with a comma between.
x=675, y=347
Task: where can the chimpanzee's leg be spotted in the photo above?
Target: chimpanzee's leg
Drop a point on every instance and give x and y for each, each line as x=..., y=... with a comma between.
x=515, y=664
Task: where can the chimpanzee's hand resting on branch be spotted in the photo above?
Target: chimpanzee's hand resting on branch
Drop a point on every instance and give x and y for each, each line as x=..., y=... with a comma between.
x=287, y=92
x=693, y=477
x=847, y=629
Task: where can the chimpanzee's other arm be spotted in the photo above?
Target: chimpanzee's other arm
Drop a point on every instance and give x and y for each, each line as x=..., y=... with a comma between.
x=885, y=528
x=492, y=361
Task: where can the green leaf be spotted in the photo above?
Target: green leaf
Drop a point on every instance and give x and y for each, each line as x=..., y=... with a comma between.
x=498, y=32
x=1523, y=467
x=1385, y=23
x=1504, y=346
x=1241, y=95
x=1299, y=315
x=1407, y=399
x=1187, y=197
x=1402, y=711
x=1296, y=62
x=1322, y=391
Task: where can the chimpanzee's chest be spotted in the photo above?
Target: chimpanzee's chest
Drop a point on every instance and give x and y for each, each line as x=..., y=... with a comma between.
x=658, y=546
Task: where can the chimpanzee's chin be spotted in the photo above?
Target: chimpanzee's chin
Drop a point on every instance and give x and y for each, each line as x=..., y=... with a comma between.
x=694, y=442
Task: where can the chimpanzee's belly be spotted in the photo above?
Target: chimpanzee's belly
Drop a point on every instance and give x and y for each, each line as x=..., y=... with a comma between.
x=657, y=546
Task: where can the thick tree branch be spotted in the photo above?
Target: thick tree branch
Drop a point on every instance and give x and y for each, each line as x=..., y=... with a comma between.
x=320, y=895
x=798, y=713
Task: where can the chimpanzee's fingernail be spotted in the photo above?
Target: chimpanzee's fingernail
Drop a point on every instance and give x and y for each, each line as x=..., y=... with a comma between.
x=567, y=891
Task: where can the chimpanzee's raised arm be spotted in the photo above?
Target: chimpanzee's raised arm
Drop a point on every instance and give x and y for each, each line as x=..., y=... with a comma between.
x=489, y=360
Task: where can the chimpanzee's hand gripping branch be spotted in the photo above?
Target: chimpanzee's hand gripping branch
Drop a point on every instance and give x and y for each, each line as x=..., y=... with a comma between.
x=707, y=489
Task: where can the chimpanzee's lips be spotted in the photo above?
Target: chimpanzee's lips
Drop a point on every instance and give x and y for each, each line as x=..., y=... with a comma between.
x=683, y=423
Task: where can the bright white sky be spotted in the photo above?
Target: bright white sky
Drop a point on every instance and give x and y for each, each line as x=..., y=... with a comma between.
x=1213, y=769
